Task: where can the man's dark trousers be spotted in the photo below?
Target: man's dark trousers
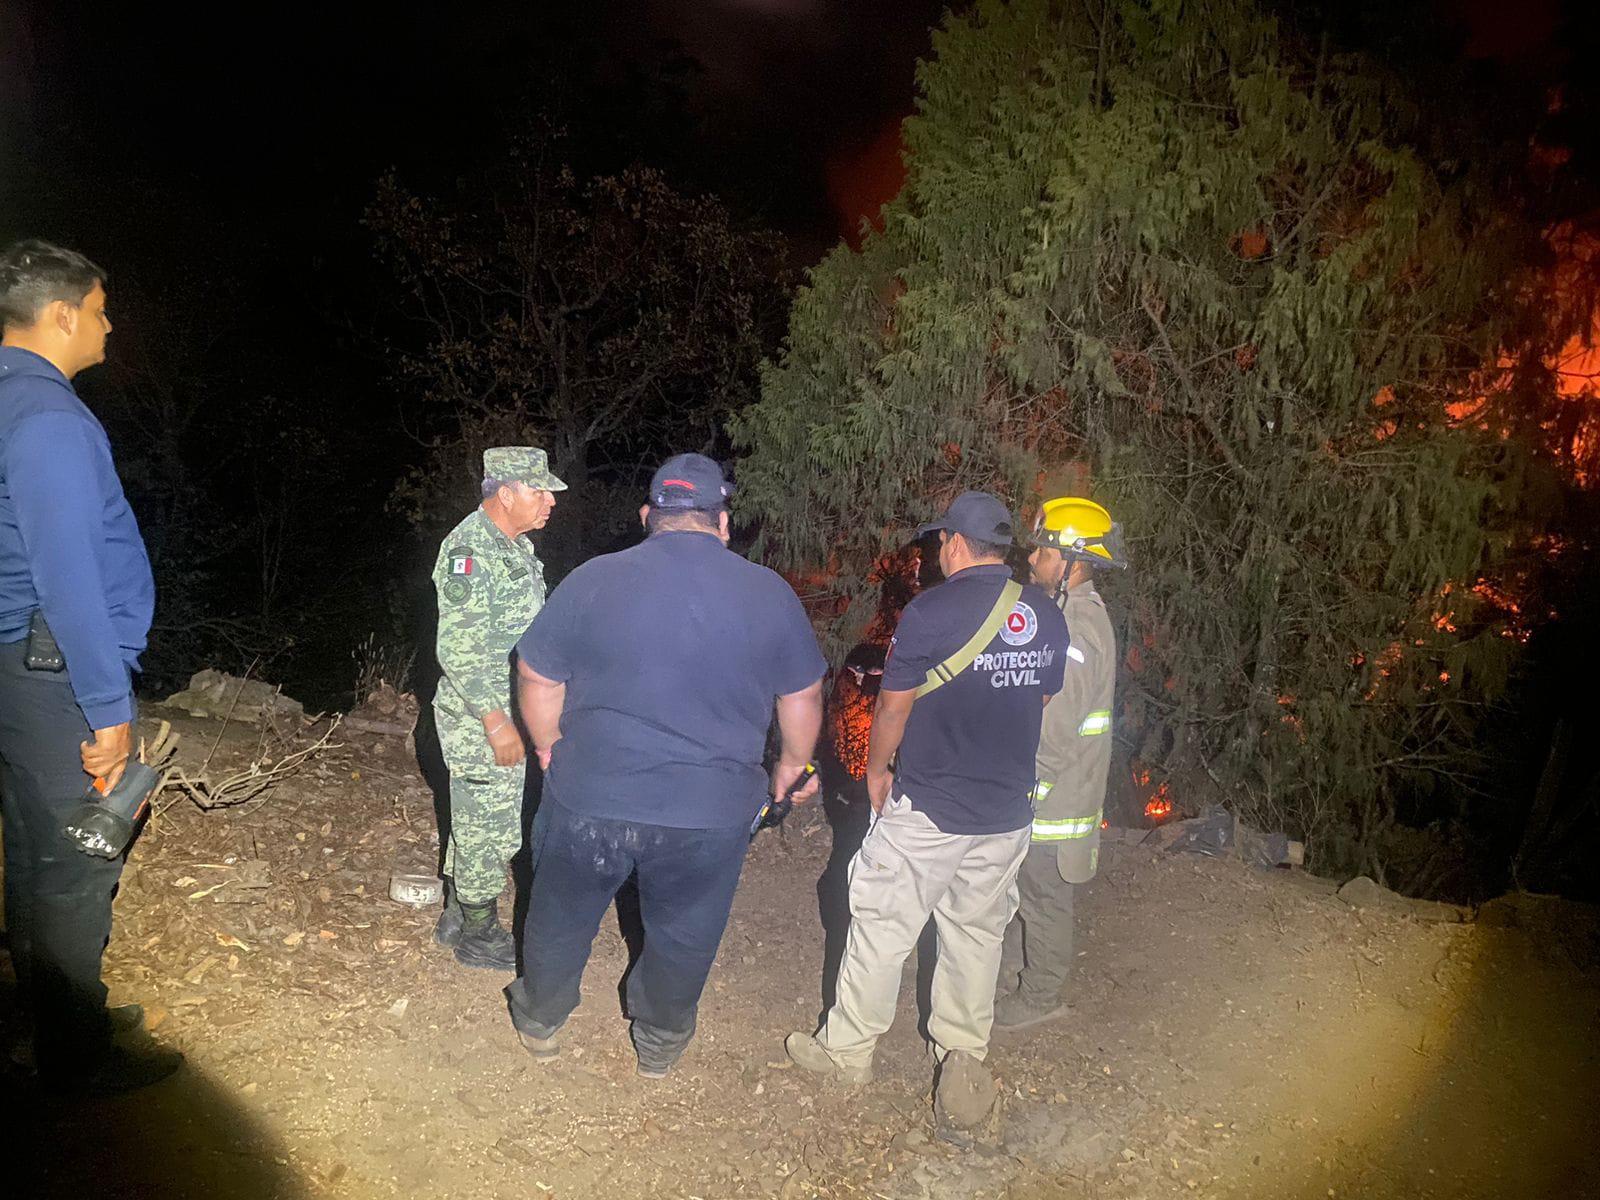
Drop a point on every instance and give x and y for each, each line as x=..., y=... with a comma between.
x=687, y=878
x=58, y=899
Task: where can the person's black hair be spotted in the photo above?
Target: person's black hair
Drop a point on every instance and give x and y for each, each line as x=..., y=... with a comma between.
x=983, y=549
x=35, y=273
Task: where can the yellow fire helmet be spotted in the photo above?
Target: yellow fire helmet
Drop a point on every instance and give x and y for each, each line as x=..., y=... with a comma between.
x=1082, y=530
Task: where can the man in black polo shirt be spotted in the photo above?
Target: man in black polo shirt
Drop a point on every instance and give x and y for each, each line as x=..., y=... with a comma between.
x=972, y=664
x=648, y=682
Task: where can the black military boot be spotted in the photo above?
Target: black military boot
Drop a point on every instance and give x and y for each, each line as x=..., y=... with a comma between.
x=448, y=931
x=483, y=941
x=119, y=1070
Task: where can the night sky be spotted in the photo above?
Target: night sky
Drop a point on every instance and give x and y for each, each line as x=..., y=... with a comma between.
x=284, y=114
x=278, y=118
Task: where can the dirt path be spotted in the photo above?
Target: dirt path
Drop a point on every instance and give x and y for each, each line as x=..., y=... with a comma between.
x=1235, y=1034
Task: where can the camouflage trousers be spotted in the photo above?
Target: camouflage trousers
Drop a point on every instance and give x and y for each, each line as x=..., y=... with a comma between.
x=485, y=808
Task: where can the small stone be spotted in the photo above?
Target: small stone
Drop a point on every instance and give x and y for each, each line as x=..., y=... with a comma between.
x=911, y=1140
x=1362, y=892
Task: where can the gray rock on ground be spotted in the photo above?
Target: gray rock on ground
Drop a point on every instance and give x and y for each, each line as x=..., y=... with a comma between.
x=213, y=693
x=1056, y=1139
x=1363, y=892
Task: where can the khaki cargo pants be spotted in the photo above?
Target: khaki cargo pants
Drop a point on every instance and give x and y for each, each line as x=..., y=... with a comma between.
x=905, y=871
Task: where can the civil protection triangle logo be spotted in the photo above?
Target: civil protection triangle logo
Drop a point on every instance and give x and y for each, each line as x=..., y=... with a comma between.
x=1019, y=626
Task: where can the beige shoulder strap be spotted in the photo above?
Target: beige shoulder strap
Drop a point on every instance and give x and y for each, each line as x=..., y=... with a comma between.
x=963, y=658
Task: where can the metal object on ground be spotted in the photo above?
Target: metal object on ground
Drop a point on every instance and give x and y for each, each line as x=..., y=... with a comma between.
x=419, y=891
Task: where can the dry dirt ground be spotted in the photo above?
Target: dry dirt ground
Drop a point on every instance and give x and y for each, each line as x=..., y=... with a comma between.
x=1234, y=1034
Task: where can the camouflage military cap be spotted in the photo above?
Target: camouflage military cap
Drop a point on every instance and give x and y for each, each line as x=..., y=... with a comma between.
x=520, y=464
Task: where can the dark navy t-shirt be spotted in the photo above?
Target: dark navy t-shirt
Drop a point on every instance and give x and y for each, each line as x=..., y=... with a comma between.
x=967, y=758
x=673, y=653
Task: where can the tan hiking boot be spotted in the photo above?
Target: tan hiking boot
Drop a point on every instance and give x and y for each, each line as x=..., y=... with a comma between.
x=809, y=1055
x=1021, y=1010
x=967, y=1096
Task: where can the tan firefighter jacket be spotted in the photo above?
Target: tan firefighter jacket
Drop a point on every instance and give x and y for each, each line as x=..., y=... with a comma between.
x=1075, y=740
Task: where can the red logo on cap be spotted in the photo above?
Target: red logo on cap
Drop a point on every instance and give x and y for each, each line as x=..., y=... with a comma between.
x=683, y=483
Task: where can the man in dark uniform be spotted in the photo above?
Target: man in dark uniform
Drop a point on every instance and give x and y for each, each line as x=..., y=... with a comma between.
x=648, y=683
x=972, y=664
x=72, y=563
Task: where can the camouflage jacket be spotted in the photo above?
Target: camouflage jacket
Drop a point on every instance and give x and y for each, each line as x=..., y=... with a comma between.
x=489, y=587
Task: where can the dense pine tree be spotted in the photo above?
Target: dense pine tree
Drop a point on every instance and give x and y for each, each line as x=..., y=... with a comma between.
x=1242, y=280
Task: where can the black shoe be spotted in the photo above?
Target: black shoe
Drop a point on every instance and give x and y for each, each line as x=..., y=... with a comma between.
x=656, y=1061
x=119, y=1071
x=125, y=1018
x=1023, y=1009
x=448, y=931
x=654, y=1069
x=483, y=941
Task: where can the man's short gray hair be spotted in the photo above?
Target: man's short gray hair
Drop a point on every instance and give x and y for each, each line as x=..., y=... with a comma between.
x=491, y=486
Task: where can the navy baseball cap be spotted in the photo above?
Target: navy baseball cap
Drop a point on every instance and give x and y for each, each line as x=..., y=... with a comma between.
x=689, y=481
x=975, y=515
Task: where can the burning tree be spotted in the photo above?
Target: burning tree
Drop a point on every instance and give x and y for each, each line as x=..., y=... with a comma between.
x=1244, y=280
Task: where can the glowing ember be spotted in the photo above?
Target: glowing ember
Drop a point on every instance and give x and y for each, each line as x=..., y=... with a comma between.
x=1158, y=803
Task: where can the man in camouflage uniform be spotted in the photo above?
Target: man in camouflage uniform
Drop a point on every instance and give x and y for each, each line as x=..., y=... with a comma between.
x=490, y=584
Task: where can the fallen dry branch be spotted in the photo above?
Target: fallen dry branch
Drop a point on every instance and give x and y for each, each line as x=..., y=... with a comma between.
x=261, y=775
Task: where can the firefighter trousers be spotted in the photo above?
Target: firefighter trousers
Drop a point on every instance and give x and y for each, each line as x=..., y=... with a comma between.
x=905, y=871
x=1037, y=956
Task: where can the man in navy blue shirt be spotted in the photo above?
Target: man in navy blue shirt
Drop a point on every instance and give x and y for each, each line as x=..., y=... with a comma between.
x=71, y=563
x=648, y=683
x=972, y=664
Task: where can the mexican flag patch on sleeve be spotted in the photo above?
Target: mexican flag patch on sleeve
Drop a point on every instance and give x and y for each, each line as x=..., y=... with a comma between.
x=461, y=564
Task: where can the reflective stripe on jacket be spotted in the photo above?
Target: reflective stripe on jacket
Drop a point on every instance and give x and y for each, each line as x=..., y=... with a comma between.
x=1074, y=757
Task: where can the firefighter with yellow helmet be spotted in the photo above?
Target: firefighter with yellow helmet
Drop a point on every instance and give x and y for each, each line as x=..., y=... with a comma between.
x=1073, y=538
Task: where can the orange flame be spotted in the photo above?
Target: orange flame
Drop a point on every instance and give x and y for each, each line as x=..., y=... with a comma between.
x=851, y=727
